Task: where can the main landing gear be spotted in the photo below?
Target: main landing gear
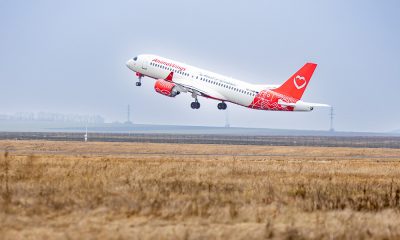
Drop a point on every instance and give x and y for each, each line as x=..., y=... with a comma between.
x=139, y=82
x=195, y=104
x=221, y=106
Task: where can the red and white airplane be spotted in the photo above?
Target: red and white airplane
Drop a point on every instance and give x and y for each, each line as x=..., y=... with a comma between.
x=173, y=78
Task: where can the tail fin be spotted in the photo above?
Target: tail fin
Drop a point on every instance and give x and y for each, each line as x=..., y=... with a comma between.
x=296, y=85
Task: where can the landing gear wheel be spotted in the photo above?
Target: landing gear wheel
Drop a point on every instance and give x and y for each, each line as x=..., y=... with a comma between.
x=138, y=84
x=221, y=106
x=195, y=105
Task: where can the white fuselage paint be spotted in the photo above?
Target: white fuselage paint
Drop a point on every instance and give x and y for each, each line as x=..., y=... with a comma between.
x=228, y=89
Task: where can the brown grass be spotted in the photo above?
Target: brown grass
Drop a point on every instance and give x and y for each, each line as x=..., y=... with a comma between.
x=72, y=190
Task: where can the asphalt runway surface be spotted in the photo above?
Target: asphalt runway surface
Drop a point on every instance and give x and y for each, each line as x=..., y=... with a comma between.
x=316, y=141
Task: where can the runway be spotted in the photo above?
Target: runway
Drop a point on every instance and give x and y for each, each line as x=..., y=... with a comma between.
x=317, y=141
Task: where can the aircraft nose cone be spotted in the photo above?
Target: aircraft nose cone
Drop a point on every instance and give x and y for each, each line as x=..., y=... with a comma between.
x=129, y=64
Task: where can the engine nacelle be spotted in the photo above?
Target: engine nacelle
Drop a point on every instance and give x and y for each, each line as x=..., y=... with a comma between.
x=166, y=88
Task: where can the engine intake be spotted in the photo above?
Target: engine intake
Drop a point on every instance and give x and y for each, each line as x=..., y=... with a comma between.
x=166, y=88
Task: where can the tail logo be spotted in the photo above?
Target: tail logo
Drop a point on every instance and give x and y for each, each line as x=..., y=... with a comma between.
x=299, y=82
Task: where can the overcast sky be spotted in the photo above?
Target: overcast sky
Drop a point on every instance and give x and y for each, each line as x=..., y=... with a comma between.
x=69, y=57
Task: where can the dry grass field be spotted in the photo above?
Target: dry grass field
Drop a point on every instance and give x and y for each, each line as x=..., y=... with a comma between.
x=75, y=190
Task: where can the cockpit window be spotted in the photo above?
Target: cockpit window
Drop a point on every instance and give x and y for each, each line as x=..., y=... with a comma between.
x=135, y=58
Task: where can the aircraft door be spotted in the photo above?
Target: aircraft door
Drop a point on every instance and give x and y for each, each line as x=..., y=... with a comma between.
x=144, y=64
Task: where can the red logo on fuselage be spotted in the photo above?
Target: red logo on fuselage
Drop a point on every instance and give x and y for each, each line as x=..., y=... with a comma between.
x=173, y=65
x=268, y=100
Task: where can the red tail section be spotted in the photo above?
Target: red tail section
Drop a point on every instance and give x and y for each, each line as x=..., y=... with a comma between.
x=296, y=85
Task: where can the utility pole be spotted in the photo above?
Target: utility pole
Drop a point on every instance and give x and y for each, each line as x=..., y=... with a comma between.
x=128, y=120
x=86, y=135
x=331, y=114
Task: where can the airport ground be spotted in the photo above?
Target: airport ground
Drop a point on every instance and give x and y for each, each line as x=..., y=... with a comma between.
x=111, y=190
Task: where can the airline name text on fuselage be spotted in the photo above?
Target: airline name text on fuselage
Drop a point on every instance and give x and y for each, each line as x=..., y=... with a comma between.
x=173, y=65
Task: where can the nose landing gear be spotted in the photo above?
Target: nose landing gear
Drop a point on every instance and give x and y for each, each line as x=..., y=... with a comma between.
x=139, y=82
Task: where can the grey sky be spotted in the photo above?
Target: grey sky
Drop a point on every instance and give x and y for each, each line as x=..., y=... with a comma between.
x=69, y=56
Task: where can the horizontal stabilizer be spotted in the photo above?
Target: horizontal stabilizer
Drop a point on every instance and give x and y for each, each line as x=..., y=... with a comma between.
x=301, y=106
x=281, y=102
x=318, y=105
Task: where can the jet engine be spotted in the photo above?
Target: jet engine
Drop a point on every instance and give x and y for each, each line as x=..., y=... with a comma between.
x=166, y=88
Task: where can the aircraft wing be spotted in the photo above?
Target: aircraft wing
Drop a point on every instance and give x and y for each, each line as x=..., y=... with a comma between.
x=199, y=89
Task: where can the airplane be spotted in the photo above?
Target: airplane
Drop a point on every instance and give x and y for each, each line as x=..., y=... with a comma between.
x=173, y=78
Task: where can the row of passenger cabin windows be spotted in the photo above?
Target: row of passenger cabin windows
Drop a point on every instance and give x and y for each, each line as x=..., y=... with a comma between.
x=169, y=68
x=228, y=87
x=204, y=79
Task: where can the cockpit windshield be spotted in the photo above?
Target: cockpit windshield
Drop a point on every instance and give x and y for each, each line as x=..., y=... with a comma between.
x=135, y=58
